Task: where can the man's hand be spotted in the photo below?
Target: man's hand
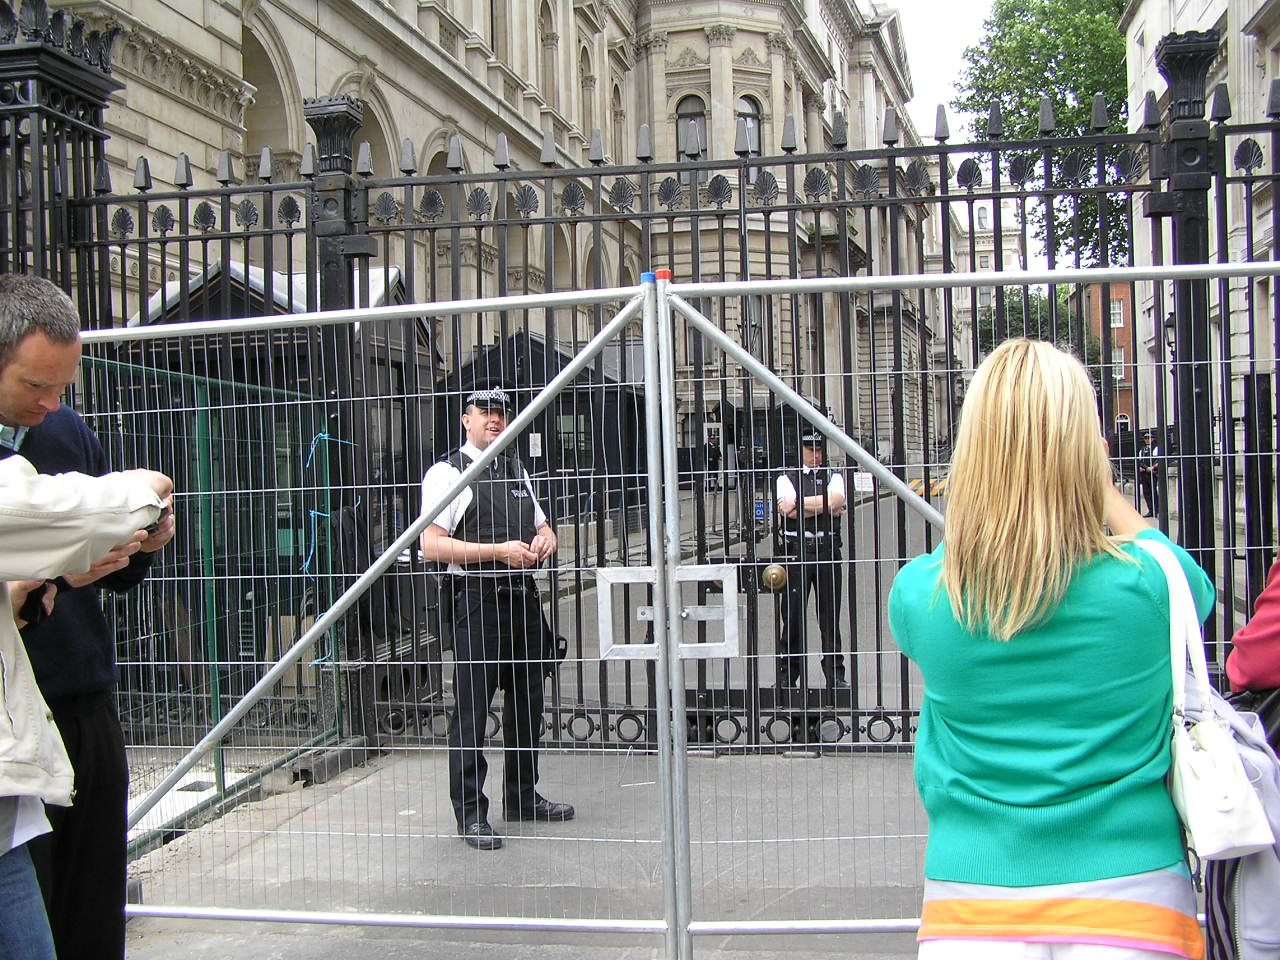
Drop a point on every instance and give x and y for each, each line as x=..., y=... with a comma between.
x=544, y=545
x=19, y=590
x=164, y=531
x=787, y=506
x=517, y=554
x=114, y=559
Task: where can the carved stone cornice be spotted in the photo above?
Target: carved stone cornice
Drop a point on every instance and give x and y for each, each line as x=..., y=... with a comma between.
x=688, y=60
x=778, y=43
x=813, y=100
x=589, y=82
x=145, y=55
x=550, y=39
x=720, y=34
x=622, y=49
x=651, y=43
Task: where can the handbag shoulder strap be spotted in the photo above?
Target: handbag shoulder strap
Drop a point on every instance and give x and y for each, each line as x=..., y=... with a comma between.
x=1186, y=644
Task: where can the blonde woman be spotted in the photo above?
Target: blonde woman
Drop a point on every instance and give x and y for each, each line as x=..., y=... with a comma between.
x=1043, y=640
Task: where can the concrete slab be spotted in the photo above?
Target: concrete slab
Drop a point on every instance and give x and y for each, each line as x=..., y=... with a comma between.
x=800, y=836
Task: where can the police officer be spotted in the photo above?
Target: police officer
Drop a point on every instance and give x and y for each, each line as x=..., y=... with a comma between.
x=491, y=535
x=810, y=501
x=1149, y=472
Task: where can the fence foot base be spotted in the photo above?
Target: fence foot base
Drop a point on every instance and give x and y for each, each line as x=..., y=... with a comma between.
x=321, y=766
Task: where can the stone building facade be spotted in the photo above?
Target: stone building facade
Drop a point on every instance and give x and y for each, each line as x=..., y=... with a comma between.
x=709, y=81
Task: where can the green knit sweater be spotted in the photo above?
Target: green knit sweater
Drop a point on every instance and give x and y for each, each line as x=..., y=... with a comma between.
x=1043, y=760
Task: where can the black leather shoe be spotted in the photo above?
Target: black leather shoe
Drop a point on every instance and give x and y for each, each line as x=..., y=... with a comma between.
x=841, y=684
x=542, y=809
x=481, y=836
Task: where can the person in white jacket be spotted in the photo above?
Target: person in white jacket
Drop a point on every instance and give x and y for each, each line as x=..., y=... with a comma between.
x=49, y=526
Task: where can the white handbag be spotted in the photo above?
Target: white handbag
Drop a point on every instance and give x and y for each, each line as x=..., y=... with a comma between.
x=1210, y=785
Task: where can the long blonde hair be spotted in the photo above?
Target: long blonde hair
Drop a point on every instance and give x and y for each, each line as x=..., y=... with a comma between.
x=1027, y=488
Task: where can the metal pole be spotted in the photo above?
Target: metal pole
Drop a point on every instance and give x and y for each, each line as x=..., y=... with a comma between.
x=764, y=288
x=543, y=924
x=661, y=600
x=1184, y=60
x=328, y=318
x=986, y=278
x=808, y=411
x=677, y=718
x=403, y=542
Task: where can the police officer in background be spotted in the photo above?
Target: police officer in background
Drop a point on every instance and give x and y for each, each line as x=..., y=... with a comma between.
x=491, y=536
x=1149, y=473
x=810, y=501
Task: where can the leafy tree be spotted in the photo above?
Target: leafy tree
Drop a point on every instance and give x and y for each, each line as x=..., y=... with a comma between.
x=1062, y=325
x=1066, y=50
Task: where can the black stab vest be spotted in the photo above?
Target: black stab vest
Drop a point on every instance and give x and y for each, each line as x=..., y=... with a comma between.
x=501, y=507
x=811, y=484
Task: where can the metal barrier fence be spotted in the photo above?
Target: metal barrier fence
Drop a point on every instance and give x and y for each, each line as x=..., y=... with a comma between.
x=758, y=810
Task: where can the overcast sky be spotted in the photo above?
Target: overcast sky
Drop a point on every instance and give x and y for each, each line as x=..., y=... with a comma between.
x=936, y=33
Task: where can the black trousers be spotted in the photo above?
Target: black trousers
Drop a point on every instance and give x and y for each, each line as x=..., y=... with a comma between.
x=497, y=644
x=81, y=864
x=818, y=571
x=1150, y=492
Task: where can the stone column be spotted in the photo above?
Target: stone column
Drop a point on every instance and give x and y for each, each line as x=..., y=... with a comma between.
x=655, y=45
x=779, y=58
x=588, y=111
x=722, y=115
x=552, y=70
x=814, y=104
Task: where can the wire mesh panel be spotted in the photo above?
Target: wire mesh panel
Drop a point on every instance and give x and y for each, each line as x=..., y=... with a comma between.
x=797, y=773
x=246, y=573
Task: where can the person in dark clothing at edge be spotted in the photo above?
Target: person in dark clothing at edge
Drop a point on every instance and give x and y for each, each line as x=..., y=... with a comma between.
x=81, y=864
x=811, y=500
x=490, y=535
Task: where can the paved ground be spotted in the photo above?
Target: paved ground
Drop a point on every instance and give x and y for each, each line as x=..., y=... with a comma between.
x=783, y=837
x=202, y=940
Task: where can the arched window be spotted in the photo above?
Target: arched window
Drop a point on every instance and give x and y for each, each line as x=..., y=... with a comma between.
x=749, y=116
x=691, y=128
x=982, y=218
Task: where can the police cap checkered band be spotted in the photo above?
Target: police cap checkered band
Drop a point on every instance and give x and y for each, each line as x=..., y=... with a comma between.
x=490, y=398
x=813, y=439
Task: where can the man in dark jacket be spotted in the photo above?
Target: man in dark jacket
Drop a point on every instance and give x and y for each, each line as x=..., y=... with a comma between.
x=81, y=864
